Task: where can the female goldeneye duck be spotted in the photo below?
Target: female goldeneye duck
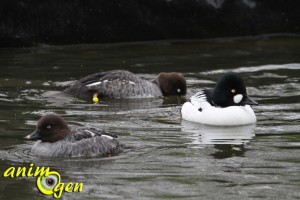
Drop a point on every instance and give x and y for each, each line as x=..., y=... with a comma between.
x=124, y=84
x=228, y=104
x=55, y=139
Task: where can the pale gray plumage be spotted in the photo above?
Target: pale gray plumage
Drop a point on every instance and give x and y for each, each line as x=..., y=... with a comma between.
x=124, y=84
x=55, y=139
x=98, y=145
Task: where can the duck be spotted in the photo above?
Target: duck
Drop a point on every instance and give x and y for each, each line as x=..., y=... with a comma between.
x=125, y=84
x=56, y=139
x=227, y=104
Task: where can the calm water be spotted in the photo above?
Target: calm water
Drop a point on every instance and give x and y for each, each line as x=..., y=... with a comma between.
x=168, y=158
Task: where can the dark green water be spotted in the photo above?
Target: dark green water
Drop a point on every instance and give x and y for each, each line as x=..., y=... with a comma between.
x=169, y=158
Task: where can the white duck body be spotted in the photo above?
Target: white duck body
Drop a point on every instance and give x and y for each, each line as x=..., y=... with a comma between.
x=201, y=111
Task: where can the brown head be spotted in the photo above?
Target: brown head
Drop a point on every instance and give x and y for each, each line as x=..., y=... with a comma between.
x=50, y=128
x=171, y=83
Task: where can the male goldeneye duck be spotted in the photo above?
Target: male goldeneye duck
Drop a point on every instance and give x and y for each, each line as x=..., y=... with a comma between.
x=226, y=105
x=55, y=139
x=124, y=84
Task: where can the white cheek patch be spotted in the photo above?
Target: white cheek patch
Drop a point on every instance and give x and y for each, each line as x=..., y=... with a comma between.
x=237, y=98
x=178, y=90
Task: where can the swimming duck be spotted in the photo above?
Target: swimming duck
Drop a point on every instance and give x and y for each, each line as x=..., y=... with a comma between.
x=56, y=139
x=228, y=104
x=124, y=84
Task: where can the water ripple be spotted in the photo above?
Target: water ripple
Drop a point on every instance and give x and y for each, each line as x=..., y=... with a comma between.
x=17, y=153
x=292, y=66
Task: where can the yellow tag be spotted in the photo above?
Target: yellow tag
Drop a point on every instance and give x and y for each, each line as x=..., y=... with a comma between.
x=95, y=100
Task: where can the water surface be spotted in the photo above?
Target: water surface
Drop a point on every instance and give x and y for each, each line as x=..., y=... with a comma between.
x=168, y=158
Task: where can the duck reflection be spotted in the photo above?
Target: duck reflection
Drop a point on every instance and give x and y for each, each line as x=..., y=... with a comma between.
x=228, y=151
x=229, y=141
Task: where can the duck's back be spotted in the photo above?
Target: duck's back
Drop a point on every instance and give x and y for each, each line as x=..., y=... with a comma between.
x=114, y=84
x=81, y=143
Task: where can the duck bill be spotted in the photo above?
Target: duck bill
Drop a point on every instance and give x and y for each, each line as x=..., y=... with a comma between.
x=248, y=101
x=35, y=135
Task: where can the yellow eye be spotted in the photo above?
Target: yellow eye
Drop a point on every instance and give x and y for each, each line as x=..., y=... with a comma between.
x=46, y=184
x=233, y=91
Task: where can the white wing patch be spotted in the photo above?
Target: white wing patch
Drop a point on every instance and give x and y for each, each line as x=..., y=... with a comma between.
x=199, y=100
x=94, y=84
x=90, y=132
x=132, y=83
x=107, y=136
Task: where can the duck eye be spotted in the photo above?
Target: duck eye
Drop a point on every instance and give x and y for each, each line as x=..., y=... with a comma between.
x=48, y=127
x=233, y=91
x=178, y=90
